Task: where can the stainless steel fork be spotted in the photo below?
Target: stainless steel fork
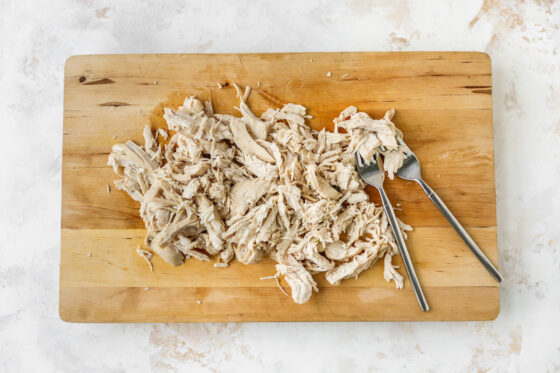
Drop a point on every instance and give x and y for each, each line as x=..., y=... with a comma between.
x=410, y=170
x=372, y=173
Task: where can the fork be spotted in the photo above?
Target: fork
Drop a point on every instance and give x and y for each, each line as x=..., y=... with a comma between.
x=373, y=174
x=410, y=170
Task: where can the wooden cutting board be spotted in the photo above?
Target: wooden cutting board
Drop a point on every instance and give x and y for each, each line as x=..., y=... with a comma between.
x=443, y=105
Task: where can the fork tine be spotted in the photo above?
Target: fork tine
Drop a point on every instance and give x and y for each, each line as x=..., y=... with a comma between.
x=377, y=157
x=359, y=160
x=403, y=144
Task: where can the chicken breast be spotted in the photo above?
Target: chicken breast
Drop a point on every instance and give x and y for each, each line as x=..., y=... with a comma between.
x=224, y=187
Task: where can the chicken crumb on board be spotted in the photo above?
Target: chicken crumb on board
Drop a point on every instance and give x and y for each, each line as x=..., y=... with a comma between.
x=108, y=188
x=329, y=74
x=248, y=187
x=344, y=75
x=89, y=254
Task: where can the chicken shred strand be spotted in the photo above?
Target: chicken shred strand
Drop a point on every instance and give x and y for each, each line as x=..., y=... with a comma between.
x=146, y=255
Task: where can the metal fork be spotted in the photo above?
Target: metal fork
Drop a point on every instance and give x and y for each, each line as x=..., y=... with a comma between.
x=372, y=173
x=410, y=170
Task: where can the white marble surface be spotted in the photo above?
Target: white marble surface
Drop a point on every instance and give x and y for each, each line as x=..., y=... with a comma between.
x=523, y=39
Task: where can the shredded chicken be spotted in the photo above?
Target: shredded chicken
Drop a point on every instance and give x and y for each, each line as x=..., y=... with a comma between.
x=163, y=133
x=248, y=187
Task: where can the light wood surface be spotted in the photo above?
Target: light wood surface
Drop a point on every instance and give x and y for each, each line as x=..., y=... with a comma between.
x=443, y=105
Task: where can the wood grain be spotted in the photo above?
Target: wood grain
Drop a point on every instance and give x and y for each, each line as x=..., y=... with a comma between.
x=444, y=107
x=442, y=258
x=214, y=304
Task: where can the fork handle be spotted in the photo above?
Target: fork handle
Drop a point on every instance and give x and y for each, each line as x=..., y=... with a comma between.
x=403, y=250
x=460, y=230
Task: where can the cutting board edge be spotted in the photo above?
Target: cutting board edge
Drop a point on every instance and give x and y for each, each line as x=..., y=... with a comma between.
x=71, y=59
x=69, y=315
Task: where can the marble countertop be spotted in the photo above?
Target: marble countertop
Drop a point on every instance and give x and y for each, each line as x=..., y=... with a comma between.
x=523, y=40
